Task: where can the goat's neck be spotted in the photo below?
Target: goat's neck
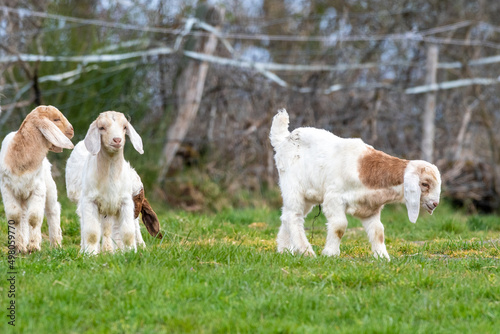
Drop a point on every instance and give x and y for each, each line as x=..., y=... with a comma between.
x=27, y=150
x=399, y=194
x=110, y=165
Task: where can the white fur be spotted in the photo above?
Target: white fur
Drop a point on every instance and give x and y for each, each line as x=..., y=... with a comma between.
x=317, y=167
x=103, y=184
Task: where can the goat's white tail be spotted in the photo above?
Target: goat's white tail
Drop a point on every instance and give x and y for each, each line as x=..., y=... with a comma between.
x=279, y=128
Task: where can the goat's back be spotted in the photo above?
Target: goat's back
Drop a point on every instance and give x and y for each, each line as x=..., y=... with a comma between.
x=74, y=171
x=317, y=158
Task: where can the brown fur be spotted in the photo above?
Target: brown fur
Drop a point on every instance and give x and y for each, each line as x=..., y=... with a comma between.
x=380, y=237
x=25, y=153
x=340, y=233
x=427, y=175
x=379, y=170
x=373, y=202
x=149, y=217
x=138, y=199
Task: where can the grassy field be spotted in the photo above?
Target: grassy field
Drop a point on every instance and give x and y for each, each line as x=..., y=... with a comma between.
x=221, y=273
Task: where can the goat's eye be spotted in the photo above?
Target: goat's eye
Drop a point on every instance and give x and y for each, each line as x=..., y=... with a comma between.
x=124, y=128
x=426, y=185
x=57, y=120
x=102, y=128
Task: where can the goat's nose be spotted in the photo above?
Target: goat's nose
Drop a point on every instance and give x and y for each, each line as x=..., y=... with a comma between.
x=70, y=131
x=435, y=204
x=117, y=140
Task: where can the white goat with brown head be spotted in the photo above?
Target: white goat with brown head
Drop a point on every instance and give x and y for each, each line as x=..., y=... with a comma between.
x=28, y=189
x=103, y=183
x=345, y=176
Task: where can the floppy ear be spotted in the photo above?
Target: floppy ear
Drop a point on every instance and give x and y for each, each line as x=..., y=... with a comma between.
x=138, y=199
x=150, y=219
x=54, y=135
x=135, y=139
x=412, y=196
x=93, y=139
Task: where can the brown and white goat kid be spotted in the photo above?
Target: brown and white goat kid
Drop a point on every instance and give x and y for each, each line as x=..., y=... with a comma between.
x=345, y=175
x=103, y=183
x=26, y=183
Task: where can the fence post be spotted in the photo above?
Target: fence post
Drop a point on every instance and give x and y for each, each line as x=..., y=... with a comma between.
x=429, y=115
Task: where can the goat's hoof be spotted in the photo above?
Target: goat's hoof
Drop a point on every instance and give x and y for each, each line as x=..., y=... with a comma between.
x=308, y=252
x=288, y=251
x=21, y=249
x=56, y=242
x=330, y=252
x=34, y=248
x=382, y=256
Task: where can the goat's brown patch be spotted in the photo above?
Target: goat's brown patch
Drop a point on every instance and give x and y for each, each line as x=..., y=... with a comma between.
x=372, y=202
x=340, y=233
x=138, y=199
x=380, y=237
x=429, y=173
x=149, y=217
x=428, y=179
x=380, y=170
x=25, y=153
x=92, y=238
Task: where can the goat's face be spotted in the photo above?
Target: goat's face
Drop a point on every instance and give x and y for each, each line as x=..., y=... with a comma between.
x=430, y=187
x=422, y=187
x=112, y=127
x=108, y=131
x=53, y=126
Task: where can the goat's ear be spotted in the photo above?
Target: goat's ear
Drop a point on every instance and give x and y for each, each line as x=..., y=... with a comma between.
x=150, y=219
x=93, y=139
x=135, y=139
x=53, y=134
x=412, y=195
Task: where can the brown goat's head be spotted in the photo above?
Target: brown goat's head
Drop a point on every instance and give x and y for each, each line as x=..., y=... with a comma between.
x=53, y=125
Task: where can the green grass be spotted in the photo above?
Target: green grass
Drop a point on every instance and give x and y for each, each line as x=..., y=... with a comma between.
x=221, y=273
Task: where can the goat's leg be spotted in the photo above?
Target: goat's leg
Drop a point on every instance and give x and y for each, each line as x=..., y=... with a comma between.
x=283, y=240
x=127, y=226
x=90, y=227
x=138, y=235
x=53, y=213
x=117, y=239
x=34, y=216
x=18, y=228
x=293, y=219
x=336, y=225
x=107, y=229
x=375, y=231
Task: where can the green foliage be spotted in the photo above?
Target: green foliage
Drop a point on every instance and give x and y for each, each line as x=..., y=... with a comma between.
x=477, y=223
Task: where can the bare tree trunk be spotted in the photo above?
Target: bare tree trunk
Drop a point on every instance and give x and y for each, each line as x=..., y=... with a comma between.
x=189, y=93
x=374, y=116
x=463, y=128
x=429, y=114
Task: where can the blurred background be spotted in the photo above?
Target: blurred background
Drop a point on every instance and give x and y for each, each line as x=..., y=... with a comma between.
x=201, y=81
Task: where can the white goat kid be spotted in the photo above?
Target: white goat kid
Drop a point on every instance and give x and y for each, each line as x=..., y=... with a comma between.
x=25, y=179
x=103, y=183
x=345, y=176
